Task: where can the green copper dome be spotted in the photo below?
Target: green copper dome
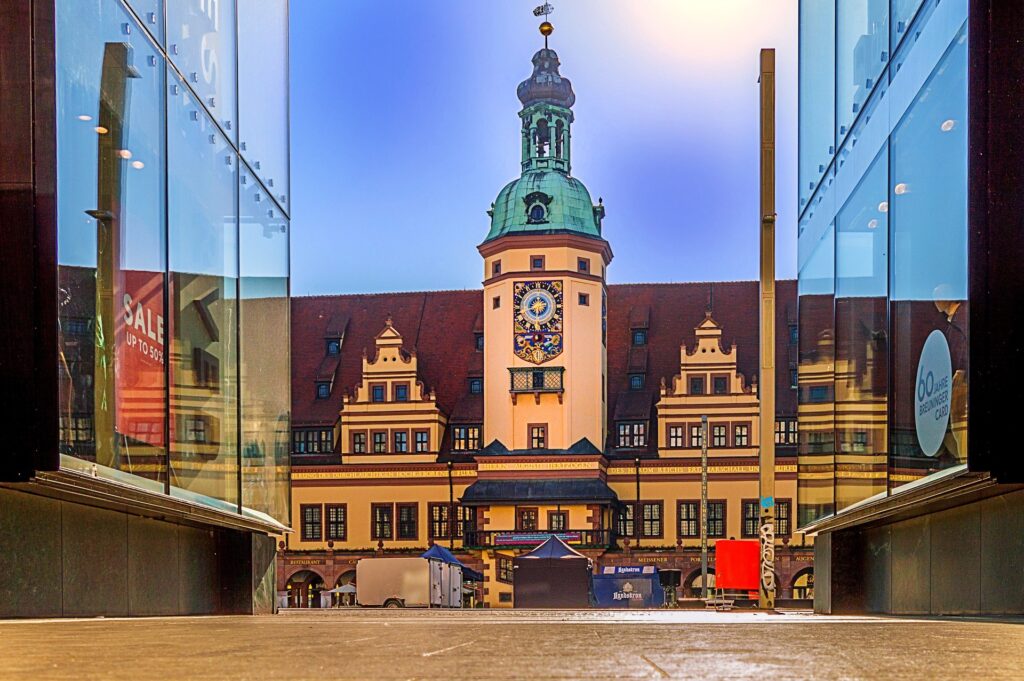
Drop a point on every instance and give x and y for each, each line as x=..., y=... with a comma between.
x=567, y=206
x=545, y=199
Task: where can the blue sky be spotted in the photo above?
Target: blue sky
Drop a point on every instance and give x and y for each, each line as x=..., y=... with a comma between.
x=404, y=129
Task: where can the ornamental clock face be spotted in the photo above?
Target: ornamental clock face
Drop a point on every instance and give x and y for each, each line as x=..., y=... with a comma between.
x=537, y=312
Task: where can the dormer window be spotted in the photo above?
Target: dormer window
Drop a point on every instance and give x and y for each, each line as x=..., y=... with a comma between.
x=333, y=346
x=476, y=386
x=323, y=390
x=640, y=337
x=636, y=382
x=478, y=339
x=537, y=213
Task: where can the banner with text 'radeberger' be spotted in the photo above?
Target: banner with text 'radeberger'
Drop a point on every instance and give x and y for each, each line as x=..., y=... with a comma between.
x=140, y=356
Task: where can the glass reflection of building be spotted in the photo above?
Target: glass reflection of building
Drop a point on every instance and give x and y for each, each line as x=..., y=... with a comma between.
x=882, y=240
x=170, y=123
x=909, y=286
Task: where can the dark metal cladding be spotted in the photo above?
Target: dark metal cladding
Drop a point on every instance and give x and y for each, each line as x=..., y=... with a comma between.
x=546, y=84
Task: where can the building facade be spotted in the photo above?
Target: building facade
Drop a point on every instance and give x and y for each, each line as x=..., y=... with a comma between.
x=547, y=402
x=145, y=184
x=906, y=291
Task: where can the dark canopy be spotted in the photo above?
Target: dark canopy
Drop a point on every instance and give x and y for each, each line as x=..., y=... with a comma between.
x=438, y=552
x=559, y=490
x=553, y=548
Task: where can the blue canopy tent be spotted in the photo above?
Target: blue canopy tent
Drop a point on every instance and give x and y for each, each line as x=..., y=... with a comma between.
x=438, y=552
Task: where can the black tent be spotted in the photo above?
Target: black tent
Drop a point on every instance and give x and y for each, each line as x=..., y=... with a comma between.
x=552, y=576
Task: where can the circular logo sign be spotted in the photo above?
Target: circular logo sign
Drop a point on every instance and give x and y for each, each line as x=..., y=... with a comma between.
x=932, y=393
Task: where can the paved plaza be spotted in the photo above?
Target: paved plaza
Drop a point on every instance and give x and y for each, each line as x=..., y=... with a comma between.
x=407, y=644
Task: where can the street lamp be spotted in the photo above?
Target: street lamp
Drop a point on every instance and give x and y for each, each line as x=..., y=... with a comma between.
x=451, y=508
x=636, y=509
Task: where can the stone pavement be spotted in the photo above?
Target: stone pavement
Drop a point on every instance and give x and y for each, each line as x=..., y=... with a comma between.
x=494, y=644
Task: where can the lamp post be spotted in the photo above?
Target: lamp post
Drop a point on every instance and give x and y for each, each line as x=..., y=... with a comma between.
x=704, y=506
x=636, y=509
x=451, y=508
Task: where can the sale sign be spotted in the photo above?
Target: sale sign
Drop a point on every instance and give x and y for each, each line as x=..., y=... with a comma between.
x=140, y=356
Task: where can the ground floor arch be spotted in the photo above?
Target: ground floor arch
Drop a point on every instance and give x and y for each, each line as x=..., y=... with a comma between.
x=693, y=585
x=803, y=583
x=304, y=589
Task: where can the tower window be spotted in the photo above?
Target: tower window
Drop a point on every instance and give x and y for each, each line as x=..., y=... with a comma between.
x=536, y=262
x=538, y=436
x=584, y=299
x=537, y=212
x=496, y=302
x=583, y=265
x=495, y=268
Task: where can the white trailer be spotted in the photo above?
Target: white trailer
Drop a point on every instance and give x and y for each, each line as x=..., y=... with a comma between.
x=407, y=583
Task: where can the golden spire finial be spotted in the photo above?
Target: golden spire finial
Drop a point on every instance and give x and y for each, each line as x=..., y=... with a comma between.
x=545, y=28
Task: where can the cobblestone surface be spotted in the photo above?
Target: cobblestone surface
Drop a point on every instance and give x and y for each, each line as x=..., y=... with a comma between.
x=407, y=644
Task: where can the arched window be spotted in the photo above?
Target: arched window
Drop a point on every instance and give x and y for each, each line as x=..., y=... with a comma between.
x=559, y=133
x=542, y=137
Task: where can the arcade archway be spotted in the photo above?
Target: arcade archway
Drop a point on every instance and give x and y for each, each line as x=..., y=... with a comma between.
x=304, y=589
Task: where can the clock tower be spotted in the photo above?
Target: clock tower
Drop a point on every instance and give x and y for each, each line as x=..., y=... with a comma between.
x=544, y=299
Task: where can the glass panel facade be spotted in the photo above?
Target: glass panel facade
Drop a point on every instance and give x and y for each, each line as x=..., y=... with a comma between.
x=201, y=41
x=883, y=330
x=173, y=259
x=817, y=96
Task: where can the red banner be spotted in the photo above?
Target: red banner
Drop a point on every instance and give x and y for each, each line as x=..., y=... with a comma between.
x=139, y=359
x=737, y=564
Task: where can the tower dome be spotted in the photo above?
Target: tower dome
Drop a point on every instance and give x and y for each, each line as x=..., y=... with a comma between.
x=545, y=198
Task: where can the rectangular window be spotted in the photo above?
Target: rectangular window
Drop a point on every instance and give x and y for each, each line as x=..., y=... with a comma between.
x=377, y=393
x=504, y=569
x=401, y=392
x=359, y=443
x=558, y=521
x=407, y=522
x=786, y=432
x=584, y=299
x=624, y=525
x=794, y=334
x=336, y=522
x=721, y=385
x=651, y=519
x=536, y=262
x=526, y=520
x=751, y=518
x=718, y=437
x=538, y=436
x=741, y=435
x=439, y=526
x=422, y=440
x=696, y=439
x=818, y=393
x=783, y=527
x=196, y=429
x=311, y=515
x=675, y=436
x=716, y=519
x=323, y=391
x=383, y=521
x=466, y=438
x=583, y=265
x=380, y=442
x=632, y=434
x=794, y=378
x=639, y=337
x=401, y=441
x=467, y=519
x=496, y=302
x=333, y=346
x=495, y=268
x=696, y=385
x=476, y=386
x=636, y=381
x=689, y=518
x=791, y=432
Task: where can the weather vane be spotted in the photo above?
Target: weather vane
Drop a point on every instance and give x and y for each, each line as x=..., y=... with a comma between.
x=545, y=28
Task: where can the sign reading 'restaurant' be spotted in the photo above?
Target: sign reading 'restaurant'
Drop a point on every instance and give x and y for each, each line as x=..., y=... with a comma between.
x=932, y=394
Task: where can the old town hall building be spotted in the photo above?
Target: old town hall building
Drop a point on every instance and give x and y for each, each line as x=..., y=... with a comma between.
x=548, y=402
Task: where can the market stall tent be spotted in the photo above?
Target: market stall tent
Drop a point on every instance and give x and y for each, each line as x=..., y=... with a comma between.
x=553, y=575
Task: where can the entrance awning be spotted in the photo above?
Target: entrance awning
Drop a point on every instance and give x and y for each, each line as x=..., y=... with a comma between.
x=552, y=490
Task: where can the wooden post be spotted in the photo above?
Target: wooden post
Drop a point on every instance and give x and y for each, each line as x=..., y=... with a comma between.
x=766, y=382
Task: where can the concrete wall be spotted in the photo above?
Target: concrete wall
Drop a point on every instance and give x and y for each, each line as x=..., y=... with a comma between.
x=964, y=560
x=60, y=558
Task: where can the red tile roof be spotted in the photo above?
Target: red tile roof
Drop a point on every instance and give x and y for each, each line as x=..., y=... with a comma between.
x=440, y=326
